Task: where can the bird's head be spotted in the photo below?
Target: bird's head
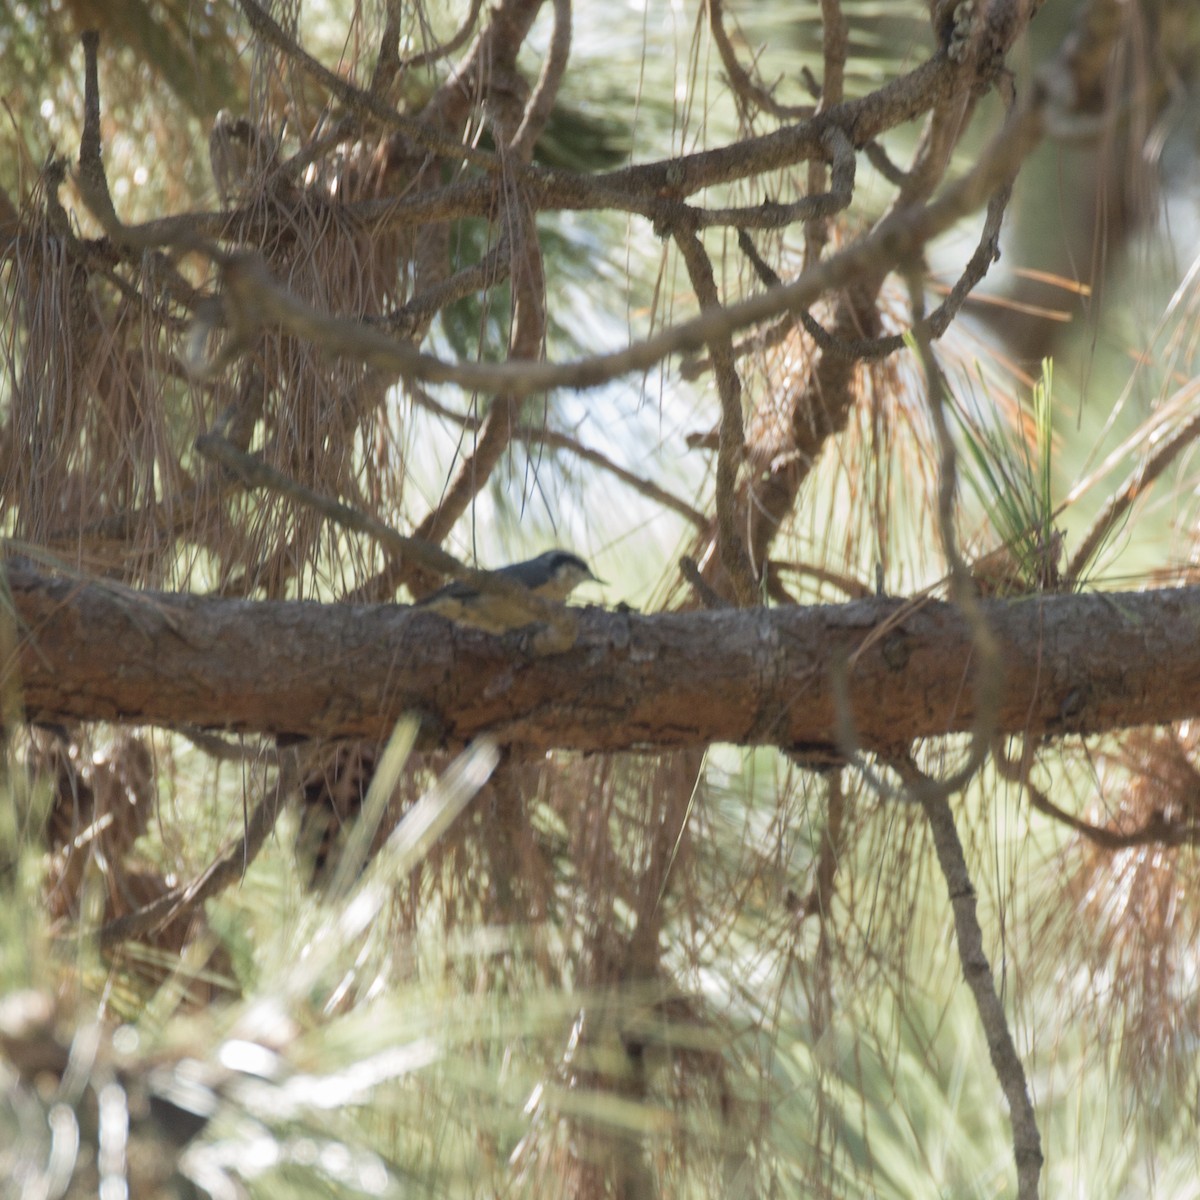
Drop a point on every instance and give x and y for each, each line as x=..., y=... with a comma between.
x=554, y=575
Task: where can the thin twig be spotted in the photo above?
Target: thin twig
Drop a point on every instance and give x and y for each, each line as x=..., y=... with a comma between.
x=835, y=45
x=216, y=747
x=539, y=435
x=228, y=867
x=878, y=157
x=435, y=53
x=491, y=270
x=731, y=548
x=854, y=588
x=93, y=187
x=835, y=42
x=751, y=93
x=819, y=901
x=709, y=596
x=387, y=61
x=526, y=340
x=561, y=441
x=91, y=167
x=1123, y=499
x=1157, y=829
x=1027, y=1142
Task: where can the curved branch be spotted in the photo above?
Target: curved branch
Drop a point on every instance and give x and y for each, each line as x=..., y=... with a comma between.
x=491, y=270
x=652, y=189
x=435, y=53
x=537, y=111
x=771, y=215
x=989, y=667
x=1157, y=830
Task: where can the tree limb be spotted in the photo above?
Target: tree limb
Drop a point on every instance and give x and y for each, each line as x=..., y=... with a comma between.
x=1084, y=664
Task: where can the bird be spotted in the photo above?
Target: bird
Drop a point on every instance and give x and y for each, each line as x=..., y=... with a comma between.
x=553, y=575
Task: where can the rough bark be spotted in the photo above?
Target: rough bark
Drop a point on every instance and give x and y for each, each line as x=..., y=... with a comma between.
x=94, y=651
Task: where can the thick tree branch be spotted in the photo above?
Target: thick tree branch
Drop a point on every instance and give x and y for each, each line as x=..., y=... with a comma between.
x=1085, y=664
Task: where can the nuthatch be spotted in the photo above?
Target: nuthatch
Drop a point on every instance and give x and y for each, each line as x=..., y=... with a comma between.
x=552, y=576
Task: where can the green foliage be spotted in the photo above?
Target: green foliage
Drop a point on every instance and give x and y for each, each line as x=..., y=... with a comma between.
x=1009, y=468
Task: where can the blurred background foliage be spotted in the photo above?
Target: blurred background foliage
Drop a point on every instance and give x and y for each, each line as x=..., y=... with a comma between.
x=474, y=1016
